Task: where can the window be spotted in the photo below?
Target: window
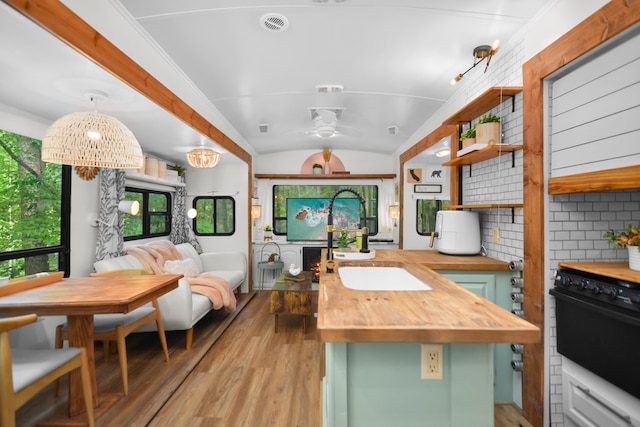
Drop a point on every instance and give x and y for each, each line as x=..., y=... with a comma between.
x=426, y=215
x=216, y=216
x=35, y=209
x=282, y=192
x=154, y=218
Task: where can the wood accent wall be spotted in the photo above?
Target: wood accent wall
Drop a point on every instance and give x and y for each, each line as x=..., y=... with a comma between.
x=610, y=20
x=426, y=142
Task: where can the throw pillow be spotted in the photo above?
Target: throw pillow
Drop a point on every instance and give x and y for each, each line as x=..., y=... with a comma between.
x=186, y=267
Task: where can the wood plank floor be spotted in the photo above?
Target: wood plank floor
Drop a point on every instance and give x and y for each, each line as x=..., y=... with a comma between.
x=250, y=377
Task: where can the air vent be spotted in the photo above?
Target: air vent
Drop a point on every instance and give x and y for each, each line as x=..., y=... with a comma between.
x=274, y=22
x=329, y=88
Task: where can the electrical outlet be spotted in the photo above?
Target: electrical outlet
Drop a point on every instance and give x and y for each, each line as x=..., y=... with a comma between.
x=432, y=362
x=496, y=235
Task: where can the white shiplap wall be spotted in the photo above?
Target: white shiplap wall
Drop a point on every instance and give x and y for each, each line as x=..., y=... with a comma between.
x=595, y=110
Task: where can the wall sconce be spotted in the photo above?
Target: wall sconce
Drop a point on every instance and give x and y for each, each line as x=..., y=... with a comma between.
x=480, y=53
x=394, y=213
x=131, y=207
x=192, y=213
x=256, y=212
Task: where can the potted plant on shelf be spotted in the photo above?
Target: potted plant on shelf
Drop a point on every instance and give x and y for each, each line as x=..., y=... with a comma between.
x=317, y=169
x=273, y=257
x=469, y=137
x=268, y=232
x=344, y=241
x=630, y=239
x=488, y=130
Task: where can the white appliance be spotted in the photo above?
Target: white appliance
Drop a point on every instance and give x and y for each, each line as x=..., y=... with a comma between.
x=457, y=233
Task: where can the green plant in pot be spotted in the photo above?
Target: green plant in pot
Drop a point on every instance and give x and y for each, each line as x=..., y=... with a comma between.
x=317, y=168
x=630, y=239
x=488, y=130
x=345, y=240
x=273, y=257
x=469, y=137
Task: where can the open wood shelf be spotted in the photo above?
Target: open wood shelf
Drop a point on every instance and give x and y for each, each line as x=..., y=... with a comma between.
x=486, y=153
x=607, y=180
x=486, y=101
x=486, y=206
x=322, y=176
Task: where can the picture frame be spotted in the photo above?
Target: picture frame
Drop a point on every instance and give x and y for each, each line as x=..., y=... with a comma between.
x=427, y=188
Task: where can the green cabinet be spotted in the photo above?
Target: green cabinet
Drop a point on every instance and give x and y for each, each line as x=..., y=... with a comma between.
x=496, y=287
x=379, y=384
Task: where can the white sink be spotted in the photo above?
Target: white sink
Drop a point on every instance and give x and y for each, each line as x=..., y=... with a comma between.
x=380, y=279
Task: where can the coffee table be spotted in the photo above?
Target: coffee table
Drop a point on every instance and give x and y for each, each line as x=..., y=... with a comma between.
x=294, y=297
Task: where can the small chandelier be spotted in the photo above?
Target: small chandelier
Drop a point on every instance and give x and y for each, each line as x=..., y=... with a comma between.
x=91, y=139
x=203, y=158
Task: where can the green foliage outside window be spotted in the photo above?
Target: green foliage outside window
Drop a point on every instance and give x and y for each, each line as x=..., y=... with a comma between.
x=426, y=215
x=154, y=218
x=216, y=216
x=30, y=207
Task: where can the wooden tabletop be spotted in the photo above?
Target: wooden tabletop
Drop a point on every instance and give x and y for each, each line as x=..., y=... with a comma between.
x=447, y=313
x=88, y=295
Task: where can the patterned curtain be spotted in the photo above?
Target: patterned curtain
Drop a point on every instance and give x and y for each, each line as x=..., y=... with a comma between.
x=110, y=241
x=181, y=231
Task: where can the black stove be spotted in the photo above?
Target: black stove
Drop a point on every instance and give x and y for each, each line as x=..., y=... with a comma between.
x=605, y=290
x=598, y=325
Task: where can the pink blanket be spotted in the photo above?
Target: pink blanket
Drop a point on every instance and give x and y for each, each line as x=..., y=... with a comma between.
x=153, y=256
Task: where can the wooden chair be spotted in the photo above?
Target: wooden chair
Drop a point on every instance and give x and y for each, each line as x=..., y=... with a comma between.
x=23, y=373
x=116, y=327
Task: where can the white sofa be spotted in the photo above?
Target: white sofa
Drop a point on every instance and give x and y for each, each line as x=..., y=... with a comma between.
x=181, y=308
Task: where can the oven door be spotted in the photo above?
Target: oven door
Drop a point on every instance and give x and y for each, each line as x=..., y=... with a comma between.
x=603, y=339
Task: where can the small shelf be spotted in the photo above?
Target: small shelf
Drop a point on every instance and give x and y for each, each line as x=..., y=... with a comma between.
x=624, y=178
x=483, y=103
x=152, y=179
x=486, y=206
x=321, y=176
x=486, y=153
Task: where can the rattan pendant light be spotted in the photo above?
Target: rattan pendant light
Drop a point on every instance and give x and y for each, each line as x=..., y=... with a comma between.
x=91, y=139
x=203, y=158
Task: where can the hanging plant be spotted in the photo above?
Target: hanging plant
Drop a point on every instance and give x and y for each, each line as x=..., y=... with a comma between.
x=179, y=168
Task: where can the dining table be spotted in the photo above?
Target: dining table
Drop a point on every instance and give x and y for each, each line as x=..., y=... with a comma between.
x=79, y=299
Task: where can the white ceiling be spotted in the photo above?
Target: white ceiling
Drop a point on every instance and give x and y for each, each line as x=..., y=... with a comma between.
x=393, y=58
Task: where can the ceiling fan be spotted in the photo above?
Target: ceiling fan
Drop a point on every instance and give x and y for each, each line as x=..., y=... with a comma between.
x=325, y=121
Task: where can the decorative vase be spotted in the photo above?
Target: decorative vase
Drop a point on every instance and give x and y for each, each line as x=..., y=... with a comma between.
x=634, y=258
x=327, y=168
x=268, y=235
x=488, y=133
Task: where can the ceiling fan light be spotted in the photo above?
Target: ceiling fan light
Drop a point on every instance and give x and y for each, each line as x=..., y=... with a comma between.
x=202, y=158
x=443, y=152
x=325, y=131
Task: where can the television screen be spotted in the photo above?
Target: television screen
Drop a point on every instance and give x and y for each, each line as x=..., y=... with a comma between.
x=307, y=217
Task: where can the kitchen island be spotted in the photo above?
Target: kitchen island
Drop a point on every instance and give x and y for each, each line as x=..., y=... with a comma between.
x=373, y=345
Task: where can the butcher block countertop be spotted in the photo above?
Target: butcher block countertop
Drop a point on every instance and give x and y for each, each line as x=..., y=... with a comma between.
x=447, y=313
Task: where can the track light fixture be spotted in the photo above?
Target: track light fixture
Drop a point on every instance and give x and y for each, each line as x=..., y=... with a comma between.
x=480, y=53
